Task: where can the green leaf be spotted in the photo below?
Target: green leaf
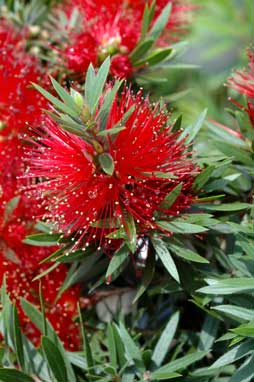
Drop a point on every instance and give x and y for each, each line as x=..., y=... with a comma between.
x=13, y=375
x=56, y=253
x=68, y=124
x=79, y=255
x=164, y=342
x=55, y=101
x=190, y=132
x=177, y=124
x=171, y=197
x=187, y=254
x=10, y=207
x=46, y=272
x=208, y=333
x=237, y=153
x=131, y=233
x=86, y=345
x=65, y=96
x=245, y=330
x=237, y=206
x=54, y=359
x=164, y=255
x=147, y=18
x=117, y=260
x=94, y=84
x=114, y=130
x=245, y=373
x=156, y=57
x=179, y=227
x=140, y=50
x=167, y=376
x=235, y=312
x=228, y=286
x=147, y=275
x=107, y=163
x=161, y=22
x=109, y=97
x=121, y=123
x=132, y=351
x=119, y=347
x=42, y=239
x=18, y=343
x=233, y=355
x=37, y=318
x=178, y=364
x=112, y=347
x=203, y=177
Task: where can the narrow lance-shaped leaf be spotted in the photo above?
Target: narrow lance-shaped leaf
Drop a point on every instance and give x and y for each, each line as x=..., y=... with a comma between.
x=37, y=318
x=180, y=227
x=187, y=254
x=178, y=364
x=94, y=85
x=104, y=111
x=18, y=343
x=65, y=96
x=147, y=275
x=165, y=340
x=54, y=359
x=192, y=130
x=117, y=260
x=234, y=354
x=161, y=22
x=164, y=255
x=228, y=286
x=171, y=197
x=203, y=177
x=130, y=229
x=11, y=375
x=239, y=313
x=111, y=340
x=154, y=58
x=86, y=345
x=56, y=102
x=42, y=239
x=132, y=351
x=141, y=49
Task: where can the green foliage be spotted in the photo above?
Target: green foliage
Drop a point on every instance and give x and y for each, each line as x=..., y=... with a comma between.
x=192, y=312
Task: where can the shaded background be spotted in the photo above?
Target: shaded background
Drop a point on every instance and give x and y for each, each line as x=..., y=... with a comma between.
x=220, y=33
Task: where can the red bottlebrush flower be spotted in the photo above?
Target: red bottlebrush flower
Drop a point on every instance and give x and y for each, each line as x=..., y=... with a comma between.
x=113, y=33
x=242, y=81
x=121, y=66
x=81, y=53
x=11, y=167
x=19, y=262
x=20, y=104
x=148, y=163
x=19, y=281
x=116, y=32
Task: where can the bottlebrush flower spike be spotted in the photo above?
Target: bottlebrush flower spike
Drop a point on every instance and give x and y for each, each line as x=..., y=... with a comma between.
x=242, y=81
x=19, y=262
x=20, y=105
x=117, y=32
x=112, y=181
x=20, y=284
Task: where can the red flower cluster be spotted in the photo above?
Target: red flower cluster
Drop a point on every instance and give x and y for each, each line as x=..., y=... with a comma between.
x=20, y=107
x=88, y=203
x=243, y=82
x=113, y=28
x=20, y=104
